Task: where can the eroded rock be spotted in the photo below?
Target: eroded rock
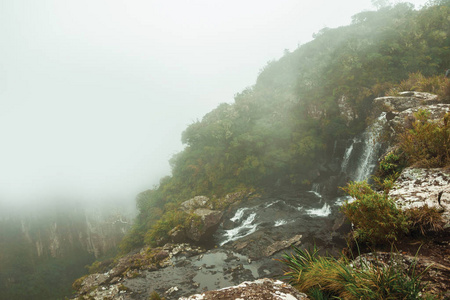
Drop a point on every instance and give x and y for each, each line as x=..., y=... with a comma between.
x=196, y=202
x=280, y=245
x=417, y=187
x=267, y=289
x=405, y=118
x=404, y=101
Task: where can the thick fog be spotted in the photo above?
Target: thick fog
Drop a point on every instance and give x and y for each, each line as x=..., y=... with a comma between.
x=94, y=94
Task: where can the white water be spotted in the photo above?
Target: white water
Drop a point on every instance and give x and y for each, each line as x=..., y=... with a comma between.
x=272, y=203
x=341, y=200
x=239, y=214
x=280, y=222
x=347, y=154
x=368, y=160
x=316, y=193
x=244, y=229
x=320, y=212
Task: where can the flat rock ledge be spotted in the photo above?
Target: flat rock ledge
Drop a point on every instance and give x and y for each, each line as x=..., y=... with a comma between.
x=403, y=101
x=261, y=289
x=417, y=187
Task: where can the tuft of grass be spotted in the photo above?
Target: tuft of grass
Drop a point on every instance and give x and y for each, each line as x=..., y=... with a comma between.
x=425, y=219
x=323, y=277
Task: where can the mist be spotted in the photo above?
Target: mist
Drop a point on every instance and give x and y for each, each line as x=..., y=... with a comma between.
x=94, y=95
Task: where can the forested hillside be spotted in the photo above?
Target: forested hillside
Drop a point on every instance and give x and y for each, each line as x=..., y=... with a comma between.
x=278, y=131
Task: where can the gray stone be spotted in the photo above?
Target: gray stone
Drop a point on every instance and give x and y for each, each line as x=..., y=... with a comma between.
x=417, y=187
x=265, y=288
x=346, y=110
x=280, y=245
x=405, y=101
x=196, y=202
x=209, y=222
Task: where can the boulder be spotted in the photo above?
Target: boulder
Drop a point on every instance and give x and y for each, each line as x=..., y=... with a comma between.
x=204, y=224
x=196, y=202
x=265, y=288
x=177, y=235
x=417, y=187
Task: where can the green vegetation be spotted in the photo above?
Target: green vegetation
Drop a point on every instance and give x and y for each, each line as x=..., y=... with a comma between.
x=427, y=143
x=155, y=296
x=424, y=219
x=322, y=277
x=278, y=130
x=417, y=82
x=375, y=216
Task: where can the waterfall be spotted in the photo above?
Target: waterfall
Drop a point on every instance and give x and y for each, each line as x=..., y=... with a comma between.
x=347, y=154
x=368, y=160
x=316, y=190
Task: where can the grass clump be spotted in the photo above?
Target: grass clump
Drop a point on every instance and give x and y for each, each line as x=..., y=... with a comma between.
x=425, y=219
x=322, y=277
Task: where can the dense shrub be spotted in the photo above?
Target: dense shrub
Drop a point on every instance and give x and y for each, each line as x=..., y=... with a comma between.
x=427, y=143
x=375, y=216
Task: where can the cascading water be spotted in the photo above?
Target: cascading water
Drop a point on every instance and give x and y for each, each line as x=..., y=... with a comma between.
x=371, y=147
x=306, y=212
x=347, y=154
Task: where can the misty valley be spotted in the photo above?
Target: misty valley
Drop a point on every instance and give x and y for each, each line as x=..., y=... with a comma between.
x=328, y=178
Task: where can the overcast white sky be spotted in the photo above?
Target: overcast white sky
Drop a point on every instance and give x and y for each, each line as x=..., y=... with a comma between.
x=94, y=94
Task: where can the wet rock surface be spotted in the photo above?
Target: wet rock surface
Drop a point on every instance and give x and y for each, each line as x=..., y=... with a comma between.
x=261, y=289
x=258, y=231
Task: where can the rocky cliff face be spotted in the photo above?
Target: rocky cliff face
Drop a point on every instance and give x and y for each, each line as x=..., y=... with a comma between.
x=66, y=233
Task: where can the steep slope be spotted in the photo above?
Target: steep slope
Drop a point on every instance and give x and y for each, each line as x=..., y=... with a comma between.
x=280, y=131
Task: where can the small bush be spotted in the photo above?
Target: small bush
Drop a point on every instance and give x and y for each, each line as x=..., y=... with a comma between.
x=375, y=216
x=391, y=165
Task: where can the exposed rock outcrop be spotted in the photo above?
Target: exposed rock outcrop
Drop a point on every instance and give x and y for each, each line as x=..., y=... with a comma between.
x=346, y=110
x=419, y=187
x=405, y=118
x=196, y=202
x=265, y=288
x=111, y=284
x=404, y=101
